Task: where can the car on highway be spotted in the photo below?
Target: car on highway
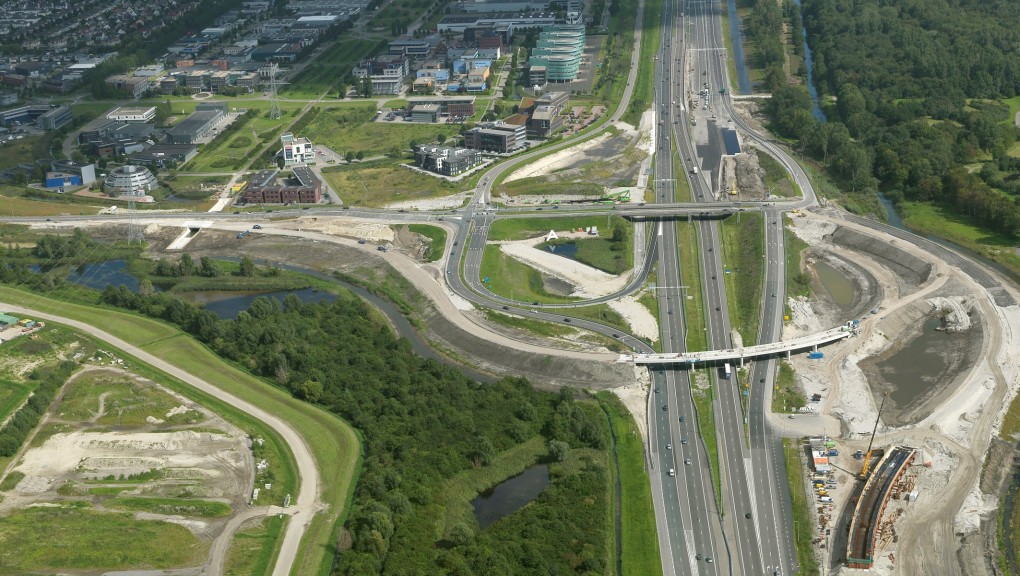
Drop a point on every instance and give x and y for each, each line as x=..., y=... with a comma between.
x=683, y=441
x=672, y=472
x=709, y=559
x=687, y=461
x=682, y=419
x=748, y=516
x=669, y=446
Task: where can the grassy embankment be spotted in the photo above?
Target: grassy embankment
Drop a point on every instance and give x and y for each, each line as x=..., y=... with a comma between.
x=253, y=552
x=798, y=282
x=777, y=179
x=437, y=236
x=703, y=398
x=801, y=507
x=742, y=248
x=640, y=542
x=786, y=397
x=928, y=219
x=690, y=275
x=333, y=443
x=543, y=186
x=641, y=98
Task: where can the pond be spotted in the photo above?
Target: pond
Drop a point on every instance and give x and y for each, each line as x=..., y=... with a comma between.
x=567, y=250
x=228, y=304
x=838, y=286
x=510, y=495
x=103, y=274
x=918, y=366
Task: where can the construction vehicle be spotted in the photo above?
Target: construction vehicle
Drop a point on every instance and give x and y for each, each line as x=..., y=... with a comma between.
x=867, y=455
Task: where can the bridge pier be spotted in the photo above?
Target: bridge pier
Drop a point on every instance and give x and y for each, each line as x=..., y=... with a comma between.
x=787, y=354
x=741, y=361
x=814, y=348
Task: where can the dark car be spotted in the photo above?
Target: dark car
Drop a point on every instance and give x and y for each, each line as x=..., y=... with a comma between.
x=506, y=307
x=748, y=516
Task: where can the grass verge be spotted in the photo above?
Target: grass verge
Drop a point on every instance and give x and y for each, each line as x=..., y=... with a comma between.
x=743, y=244
x=690, y=272
x=801, y=507
x=703, y=397
x=437, y=236
x=534, y=326
x=333, y=443
x=798, y=282
x=524, y=228
x=182, y=506
x=381, y=182
x=786, y=397
x=252, y=552
x=640, y=538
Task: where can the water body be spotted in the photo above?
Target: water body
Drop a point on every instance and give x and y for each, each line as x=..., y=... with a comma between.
x=510, y=495
x=891, y=216
x=102, y=274
x=228, y=304
x=568, y=250
x=816, y=110
x=737, y=51
x=838, y=286
x=917, y=366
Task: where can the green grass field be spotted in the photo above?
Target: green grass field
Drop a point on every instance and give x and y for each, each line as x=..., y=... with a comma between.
x=777, y=179
x=598, y=253
x=541, y=185
x=77, y=538
x=350, y=129
x=640, y=538
x=801, y=507
x=532, y=325
x=126, y=402
x=381, y=182
x=28, y=149
x=321, y=75
x=253, y=549
x=511, y=278
x=333, y=443
x=12, y=395
x=641, y=98
x=929, y=219
x=434, y=233
x=524, y=228
x=786, y=397
x=798, y=283
x=703, y=398
x=181, y=506
x=690, y=271
x=742, y=248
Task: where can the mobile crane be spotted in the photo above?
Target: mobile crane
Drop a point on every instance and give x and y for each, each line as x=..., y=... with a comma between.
x=867, y=455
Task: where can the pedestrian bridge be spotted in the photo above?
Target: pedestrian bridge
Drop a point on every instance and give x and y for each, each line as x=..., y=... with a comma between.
x=738, y=355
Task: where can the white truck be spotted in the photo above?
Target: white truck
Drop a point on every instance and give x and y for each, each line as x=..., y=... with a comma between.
x=694, y=170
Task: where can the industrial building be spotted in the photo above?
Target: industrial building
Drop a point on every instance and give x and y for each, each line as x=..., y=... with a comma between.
x=86, y=172
x=61, y=180
x=189, y=130
x=444, y=160
x=165, y=155
x=130, y=180
x=54, y=119
x=133, y=114
x=296, y=150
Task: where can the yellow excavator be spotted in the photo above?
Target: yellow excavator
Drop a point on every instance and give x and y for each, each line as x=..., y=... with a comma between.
x=867, y=455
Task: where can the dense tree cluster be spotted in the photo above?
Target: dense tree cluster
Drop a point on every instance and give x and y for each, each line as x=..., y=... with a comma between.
x=53, y=247
x=916, y=85
x=50, y=378
x=422, y=423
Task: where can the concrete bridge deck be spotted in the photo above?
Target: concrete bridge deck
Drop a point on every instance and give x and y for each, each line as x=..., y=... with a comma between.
x=738, y=355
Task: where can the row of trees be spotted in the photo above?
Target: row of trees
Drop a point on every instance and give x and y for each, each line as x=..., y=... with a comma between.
x=422, y=423
x=48, y=378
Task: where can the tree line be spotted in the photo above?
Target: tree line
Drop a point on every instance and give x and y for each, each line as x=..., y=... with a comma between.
x=49, y=379
x=917, y=89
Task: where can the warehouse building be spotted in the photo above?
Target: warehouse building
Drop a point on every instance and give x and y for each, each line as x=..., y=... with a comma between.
x=189, y=130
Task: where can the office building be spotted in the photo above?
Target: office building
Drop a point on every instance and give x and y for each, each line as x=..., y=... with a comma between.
x=54, y=119
x=296, y=150
x=130, y=180
x=133, y=114
x=444, y=160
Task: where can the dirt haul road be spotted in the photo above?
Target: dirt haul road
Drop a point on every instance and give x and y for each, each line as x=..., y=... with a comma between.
x=307, y=501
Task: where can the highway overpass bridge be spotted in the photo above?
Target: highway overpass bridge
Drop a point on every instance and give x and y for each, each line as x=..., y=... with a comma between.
x=738, y=355
x=866, y=523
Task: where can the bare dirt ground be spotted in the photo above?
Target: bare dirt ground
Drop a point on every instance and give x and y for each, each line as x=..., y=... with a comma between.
x=952, y=422
x=184, y=448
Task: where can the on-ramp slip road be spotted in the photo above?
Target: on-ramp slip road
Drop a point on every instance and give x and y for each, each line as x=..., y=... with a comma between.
x=306, y=503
